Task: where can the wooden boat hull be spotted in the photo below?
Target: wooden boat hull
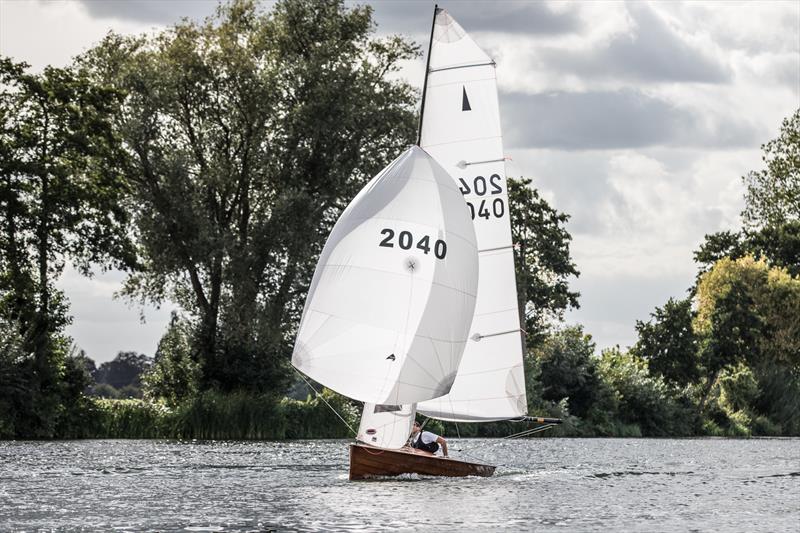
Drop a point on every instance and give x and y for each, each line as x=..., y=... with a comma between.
x=369, y=462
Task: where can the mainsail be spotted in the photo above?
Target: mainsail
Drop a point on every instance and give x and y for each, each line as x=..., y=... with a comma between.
x=461, y=129
x=389, y=307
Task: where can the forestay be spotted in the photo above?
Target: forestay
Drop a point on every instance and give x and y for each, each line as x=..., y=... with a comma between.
x=389, y=308
x=461, y=130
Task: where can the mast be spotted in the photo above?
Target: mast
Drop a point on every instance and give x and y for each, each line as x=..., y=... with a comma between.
x=427, y=69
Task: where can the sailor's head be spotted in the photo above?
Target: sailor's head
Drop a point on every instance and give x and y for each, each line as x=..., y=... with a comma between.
x=415, y=428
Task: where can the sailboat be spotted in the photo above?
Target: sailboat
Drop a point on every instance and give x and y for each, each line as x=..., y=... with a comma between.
x=413, y=304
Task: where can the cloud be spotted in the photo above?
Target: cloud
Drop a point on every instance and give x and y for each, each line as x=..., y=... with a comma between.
x=506, y=17
x=610, y=306
x=161, y=13
x=614, y=119
x=652, y=50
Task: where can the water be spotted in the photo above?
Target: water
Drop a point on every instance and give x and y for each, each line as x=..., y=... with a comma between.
x=543, y=484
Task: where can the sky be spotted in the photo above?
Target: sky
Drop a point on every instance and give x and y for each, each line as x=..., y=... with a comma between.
x=637, y=119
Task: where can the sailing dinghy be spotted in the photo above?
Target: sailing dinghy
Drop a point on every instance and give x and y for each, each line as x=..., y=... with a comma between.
x=396, y=315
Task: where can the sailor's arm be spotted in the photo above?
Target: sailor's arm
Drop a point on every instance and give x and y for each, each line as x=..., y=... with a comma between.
x=443, y=444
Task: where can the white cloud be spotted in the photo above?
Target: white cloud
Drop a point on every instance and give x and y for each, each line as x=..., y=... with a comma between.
x=52, y=33
x=103, y=324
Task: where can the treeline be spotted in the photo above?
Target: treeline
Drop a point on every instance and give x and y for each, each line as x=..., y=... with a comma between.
x=723, y=361
x=211, y=160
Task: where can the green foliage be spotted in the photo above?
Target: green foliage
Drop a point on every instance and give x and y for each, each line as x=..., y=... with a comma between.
x=126, y=369
x=58, y=202
x=568, y=370
x=643, y=399
x=773, y=194
x=738, y=388
x=212, y=415
x=749, y=311
x=174, y=376
x=668, y=343
x=123, y=419
x=779, y=245
x=313, y=418
x=730, y=330
x=542, y=260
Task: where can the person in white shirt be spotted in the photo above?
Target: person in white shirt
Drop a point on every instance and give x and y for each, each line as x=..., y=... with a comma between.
x=427, y=441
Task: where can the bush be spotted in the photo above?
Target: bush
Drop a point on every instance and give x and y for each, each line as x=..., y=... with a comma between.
x=643, y=400
x=130, y=419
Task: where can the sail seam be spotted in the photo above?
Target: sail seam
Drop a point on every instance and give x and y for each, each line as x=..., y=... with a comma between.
x=459, y=141
x=496, y=312
x=454, y=67
x=459, y=82
x=358, y=267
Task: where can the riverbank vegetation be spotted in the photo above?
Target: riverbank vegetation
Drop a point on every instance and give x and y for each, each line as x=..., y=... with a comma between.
x=210, y=161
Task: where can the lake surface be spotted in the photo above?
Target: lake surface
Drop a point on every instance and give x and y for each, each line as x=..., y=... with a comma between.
x=541, y=484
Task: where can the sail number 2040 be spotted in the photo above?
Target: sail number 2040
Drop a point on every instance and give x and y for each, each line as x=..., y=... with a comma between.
x=480, y=186
x=405, y=240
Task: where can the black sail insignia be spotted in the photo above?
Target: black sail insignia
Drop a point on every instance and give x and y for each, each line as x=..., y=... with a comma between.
x=465, y=101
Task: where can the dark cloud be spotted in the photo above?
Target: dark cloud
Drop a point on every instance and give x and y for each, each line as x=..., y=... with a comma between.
x=654, y=52
x=392, y=16
x=150, y=11
x=613, y=119
x=524, y=17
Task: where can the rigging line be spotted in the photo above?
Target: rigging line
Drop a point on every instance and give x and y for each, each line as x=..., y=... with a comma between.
x=355, y=433
x=529, y=432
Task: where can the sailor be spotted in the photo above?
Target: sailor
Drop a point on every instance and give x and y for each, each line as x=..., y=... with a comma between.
x=427, y=441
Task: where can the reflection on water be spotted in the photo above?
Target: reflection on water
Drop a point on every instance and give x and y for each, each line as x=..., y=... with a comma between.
x=541, y=484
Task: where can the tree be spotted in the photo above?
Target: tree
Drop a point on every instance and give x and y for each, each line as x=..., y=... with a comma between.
x=58, y=202
x=542, y=259
x=125, y=369
x=668, y=343
x=771, y=217
x=778, y=244
x=743, y=293
x=568, y=369
x=719, y=245
x=174, y=375
x=643, y=399
x=773, y=194
x=245, y=137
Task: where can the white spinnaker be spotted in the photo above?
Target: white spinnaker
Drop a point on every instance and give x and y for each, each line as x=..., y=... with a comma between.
x=461, y=130
x=389, y=308
x=386, y=426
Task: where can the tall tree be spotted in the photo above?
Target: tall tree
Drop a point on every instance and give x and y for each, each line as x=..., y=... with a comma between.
x=542, y=259
x=245, y=137
x=773, y=194
x=58, y=202
x=668, y=342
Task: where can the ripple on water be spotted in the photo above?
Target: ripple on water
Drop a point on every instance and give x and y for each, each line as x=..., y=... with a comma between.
x=546, y=484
